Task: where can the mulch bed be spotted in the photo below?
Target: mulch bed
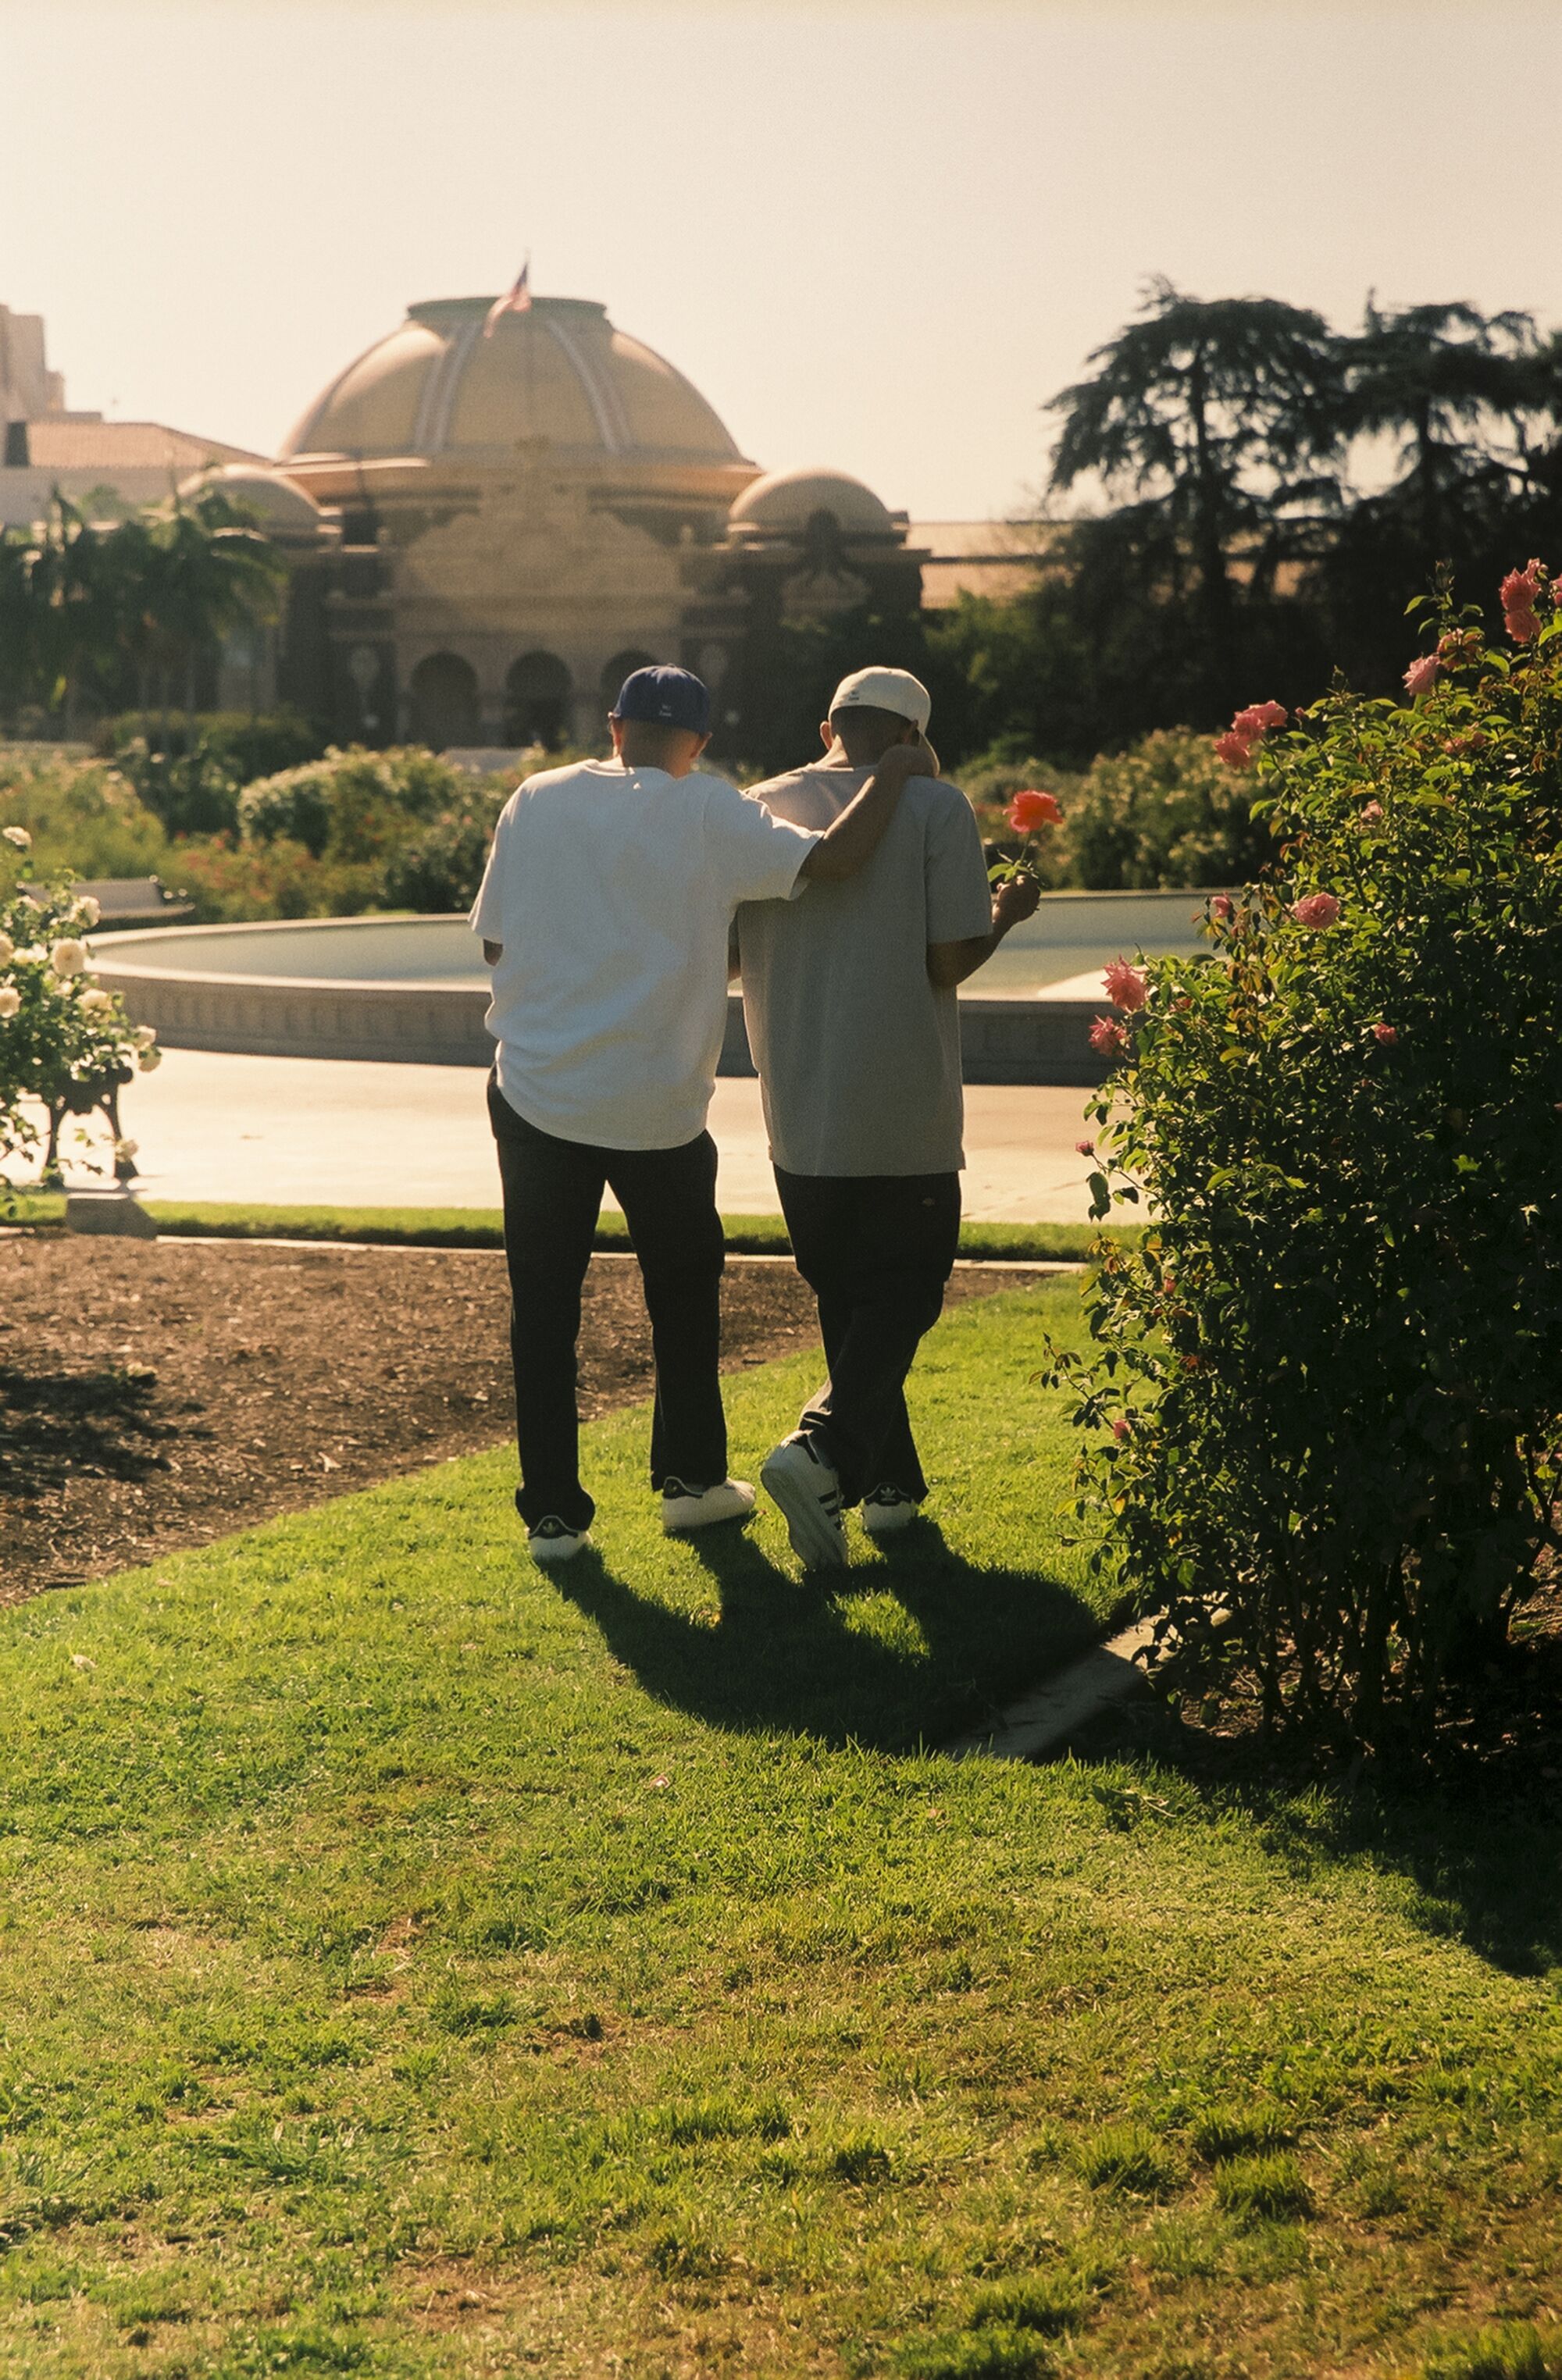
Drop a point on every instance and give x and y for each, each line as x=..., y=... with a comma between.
x=159, y=1395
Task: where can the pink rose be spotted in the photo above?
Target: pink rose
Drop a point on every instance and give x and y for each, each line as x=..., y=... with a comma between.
x=1315, y=909
x=1085, y=1148
x=1387, y=1033
x=1126, y=985
x=1372, y=814
x=1221, y=908
x=1030, y=810
x=1421, y=675
x=1520, y=591
x=1234, y=749
x=1108, y=1038
x=1259, y=716
x=1122, y=1428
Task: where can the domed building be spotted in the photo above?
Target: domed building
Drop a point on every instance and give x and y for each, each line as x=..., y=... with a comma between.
x=486, y=531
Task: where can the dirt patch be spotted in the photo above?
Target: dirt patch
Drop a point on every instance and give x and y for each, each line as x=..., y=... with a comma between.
x=155, y=1396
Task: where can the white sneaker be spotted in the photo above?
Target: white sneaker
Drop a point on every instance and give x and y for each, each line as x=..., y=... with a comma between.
x=887, y=1510
x=551, y=1541
x=810, y=1495
x=696, y=1508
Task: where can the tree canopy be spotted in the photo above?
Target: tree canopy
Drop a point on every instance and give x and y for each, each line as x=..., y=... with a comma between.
x=93, y=613
x=1259, y=495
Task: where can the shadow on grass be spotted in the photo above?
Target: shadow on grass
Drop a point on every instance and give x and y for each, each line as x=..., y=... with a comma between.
x=1480, y=1850
x=54, y=1424
x=1491, y=1879
x=786, y=1658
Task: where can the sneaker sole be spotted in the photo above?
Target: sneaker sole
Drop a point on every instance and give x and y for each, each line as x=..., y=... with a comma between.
x=546, y=1557
x=711, y=1521
x=896, y=1516
x=816, y=1542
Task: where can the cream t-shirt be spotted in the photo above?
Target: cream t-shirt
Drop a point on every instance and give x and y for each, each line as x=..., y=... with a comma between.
x=858, y=1056
x=612, y=890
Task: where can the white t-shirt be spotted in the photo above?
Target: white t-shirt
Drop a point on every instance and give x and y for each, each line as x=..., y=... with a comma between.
x=612, y=890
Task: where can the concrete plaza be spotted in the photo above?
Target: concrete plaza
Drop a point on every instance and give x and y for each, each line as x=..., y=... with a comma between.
x=327, y=1132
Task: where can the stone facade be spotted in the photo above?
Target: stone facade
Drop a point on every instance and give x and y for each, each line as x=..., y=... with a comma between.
x=510, y=523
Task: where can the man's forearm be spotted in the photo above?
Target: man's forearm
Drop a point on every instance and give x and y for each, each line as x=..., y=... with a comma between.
x=950, y=962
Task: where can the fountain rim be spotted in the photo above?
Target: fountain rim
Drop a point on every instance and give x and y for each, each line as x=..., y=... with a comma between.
x=105, y=950
x=144, y=941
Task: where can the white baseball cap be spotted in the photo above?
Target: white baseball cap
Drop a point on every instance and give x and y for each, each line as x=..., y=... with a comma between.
x=885, y=689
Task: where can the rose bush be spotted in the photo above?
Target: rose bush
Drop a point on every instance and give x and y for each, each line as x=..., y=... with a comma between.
x=67, y=1046
x=1326, y=1397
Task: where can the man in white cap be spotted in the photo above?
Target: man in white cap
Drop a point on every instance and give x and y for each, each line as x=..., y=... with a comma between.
x=850, y=998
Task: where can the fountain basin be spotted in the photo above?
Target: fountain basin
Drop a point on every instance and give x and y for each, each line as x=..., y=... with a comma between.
x=413, y=990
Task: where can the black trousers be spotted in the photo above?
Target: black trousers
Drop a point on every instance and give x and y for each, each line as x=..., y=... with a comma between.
x=553, y=1197
x=876, y=1250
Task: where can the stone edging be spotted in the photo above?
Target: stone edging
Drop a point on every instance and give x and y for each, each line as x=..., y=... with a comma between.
x=1043, y=1720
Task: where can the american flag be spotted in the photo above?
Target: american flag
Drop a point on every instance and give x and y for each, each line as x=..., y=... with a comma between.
x=516, y=301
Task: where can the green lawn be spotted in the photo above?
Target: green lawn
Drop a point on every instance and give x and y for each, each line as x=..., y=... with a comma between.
x=413, y=1965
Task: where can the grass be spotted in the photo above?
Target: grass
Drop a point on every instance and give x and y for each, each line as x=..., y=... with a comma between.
x=481, y=1227
x=415, y=1966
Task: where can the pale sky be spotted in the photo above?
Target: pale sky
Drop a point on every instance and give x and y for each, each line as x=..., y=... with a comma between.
x=876, y=237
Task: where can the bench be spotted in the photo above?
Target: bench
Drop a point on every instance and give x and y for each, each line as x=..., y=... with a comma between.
x=133, y=901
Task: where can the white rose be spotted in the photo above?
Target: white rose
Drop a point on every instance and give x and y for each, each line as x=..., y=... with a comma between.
x=7, y=949
x=150, y=1058
x=143, y=1037
x=87, y=911
x=10, y=999
x=69, y=957
x=18, y=835
x=33, y=955
x=94, y=1004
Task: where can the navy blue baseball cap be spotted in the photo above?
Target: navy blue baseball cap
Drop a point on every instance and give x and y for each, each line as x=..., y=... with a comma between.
x=671, y=697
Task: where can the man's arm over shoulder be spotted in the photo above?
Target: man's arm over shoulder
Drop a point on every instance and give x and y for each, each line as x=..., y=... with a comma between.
x=856, y=834
x=761, y=854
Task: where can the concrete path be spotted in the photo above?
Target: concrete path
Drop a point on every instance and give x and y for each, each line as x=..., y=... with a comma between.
x=319, y=1131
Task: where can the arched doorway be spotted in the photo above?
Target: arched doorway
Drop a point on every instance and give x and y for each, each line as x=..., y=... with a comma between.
x=537, y=690
x=615, y=671
x=444, y=709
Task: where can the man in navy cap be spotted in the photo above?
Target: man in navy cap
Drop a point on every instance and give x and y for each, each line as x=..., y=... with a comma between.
x=604, y=911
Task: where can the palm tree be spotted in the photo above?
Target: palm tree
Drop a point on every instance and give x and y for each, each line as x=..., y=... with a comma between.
x=210, y=570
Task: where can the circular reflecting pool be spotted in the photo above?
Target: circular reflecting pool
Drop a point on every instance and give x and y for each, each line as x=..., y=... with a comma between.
x=415, y=990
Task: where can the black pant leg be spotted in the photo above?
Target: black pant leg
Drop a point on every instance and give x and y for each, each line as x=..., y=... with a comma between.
x=877, y=1250
x=553, y=1195
x=821, y=1213
x=669, y=1201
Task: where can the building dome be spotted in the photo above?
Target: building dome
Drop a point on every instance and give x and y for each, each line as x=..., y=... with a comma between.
x=283, y=510
x=786, y=503
x=559, y=371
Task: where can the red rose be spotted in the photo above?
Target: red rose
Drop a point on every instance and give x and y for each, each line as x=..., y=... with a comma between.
x=1031, y=811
